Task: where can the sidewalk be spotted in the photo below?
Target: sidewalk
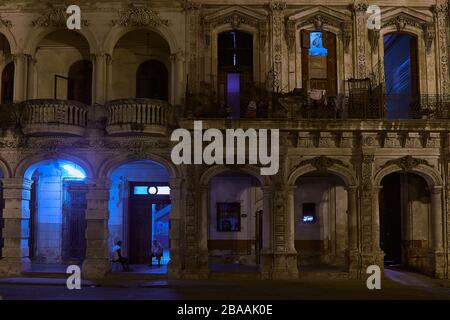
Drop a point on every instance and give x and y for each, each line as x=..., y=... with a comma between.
x=110, y=283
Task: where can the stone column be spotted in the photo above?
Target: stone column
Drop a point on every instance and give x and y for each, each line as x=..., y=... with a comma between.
x=20, y=77
x=360, y=39
x=99, y=62
x=16, y=231
x=203, y=230
x=436, y=218
x=177, y=78
x=96, y=263
x=284, y=255
x=436, y=232
x=109, y=78
x=352, y=222
x=440, y=11
x=175, y=232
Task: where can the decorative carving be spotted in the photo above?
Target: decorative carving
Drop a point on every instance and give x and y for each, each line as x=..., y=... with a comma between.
x=347, y=30
x=290, y=34
x=55, y=17
x=322, y=163
x=441, y=17
x=429, y=34
x=5, y=23
x=406, y=163
x=374, y=37
x=234, y=18
x=139, y=16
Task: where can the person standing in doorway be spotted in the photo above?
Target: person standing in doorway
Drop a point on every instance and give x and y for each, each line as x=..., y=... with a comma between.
x=157, y=252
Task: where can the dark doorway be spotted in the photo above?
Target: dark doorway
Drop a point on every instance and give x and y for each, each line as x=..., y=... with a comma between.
x=8, y=83
x=319, y=61
x=80, y=82
x=2, y=206
x=149, y=210
x=74, y=221
x=401, y=75
x=391, y=219
x=235, y=74
x=152, y=80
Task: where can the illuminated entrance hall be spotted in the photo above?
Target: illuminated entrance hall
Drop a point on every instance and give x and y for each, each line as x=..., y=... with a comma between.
x=57, y=207
x=236, y=223
x=139, y=208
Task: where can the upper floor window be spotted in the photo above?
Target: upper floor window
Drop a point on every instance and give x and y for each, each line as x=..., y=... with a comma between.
x=79, y=87
x=152, y=80
x=8, y=83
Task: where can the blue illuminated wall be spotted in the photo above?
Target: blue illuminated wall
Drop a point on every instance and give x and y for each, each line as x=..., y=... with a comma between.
x=50, y=176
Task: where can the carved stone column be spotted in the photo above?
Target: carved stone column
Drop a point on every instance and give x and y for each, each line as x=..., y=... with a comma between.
x=360, y=44
x=369, y=215
x=177, y=78
x=354, y=258
x=96, y=263
x=16, y=233
x=176, y=235
x=441, y=19
x=277, y=26
x=436, y=232
x=196, y=230
x=194, y=66
x=283, y=264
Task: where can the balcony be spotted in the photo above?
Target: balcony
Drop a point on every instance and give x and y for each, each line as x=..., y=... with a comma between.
x=51, y=116
x=138, y=116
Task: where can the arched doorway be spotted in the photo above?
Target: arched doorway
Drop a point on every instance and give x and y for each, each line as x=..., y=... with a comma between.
x=139, y=67
x=401, y=75
x=235, y=222
x=80, y=82
x=63, y=69
x=8, y=83
x=152, y=80
x=235, y=73
x=57, y=208
x=320, y=217
x=139, y=213
x=405, y=221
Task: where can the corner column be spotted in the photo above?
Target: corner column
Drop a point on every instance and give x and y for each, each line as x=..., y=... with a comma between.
x=96, y=263
x=16, y=231
x=436, y=232
x=354, y=256
x=175, y=264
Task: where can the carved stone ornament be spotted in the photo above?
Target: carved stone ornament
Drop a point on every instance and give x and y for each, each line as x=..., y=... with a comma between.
x=322, y=163
x=406, y=163
x=139, y=16
x=429, y=34
x=5, y=23
x=374, y=37
x=55, y=17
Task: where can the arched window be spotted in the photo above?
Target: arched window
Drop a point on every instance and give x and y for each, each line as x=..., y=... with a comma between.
x=80, y=82
x=152, y=80
x=8, y=83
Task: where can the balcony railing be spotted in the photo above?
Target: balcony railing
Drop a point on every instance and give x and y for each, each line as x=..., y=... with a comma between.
x=361, y=105
x=51, y=116
x=138, y=116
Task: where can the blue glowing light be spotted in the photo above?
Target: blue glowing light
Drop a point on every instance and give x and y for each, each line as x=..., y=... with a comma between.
x=308, y=219
x=316, y=45
x=73, y=172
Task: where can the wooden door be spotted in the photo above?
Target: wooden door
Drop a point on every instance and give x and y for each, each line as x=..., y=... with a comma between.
x=140, y=223
x=74, y=220
x=319, y=72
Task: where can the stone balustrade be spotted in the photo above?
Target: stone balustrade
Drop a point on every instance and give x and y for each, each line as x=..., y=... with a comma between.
x=51, y=116
x=137, y=116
